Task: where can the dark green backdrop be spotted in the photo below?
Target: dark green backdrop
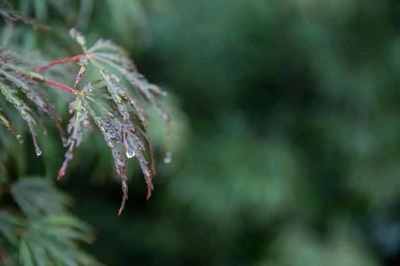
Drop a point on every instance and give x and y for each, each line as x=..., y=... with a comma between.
x=286, y=134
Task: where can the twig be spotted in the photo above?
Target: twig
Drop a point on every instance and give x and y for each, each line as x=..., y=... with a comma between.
x=62, y=61
x=49, y=82
x=60, y=86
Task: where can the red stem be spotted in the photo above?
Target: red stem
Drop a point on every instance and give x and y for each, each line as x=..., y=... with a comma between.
x=60, y=86
x=71, y=59
x=55, y=84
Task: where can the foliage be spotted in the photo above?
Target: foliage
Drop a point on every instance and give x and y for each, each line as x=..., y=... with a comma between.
x=101, y=98
x=21, y=91
x=290, y=155
x=108, y=95
x=106, y=101
x=45, y=233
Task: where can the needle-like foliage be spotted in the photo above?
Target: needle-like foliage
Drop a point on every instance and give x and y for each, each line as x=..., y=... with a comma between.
x=23, y=90
x=109, y=95
x=106, y=95
x=45, y=234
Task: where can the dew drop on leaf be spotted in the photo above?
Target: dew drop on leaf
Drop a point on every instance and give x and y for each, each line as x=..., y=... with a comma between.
x=19, y=138
x=130, y=154
x=38, y=151
x=168, y=157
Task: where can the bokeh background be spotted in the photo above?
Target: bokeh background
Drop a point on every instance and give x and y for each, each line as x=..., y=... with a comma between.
x=285, y=139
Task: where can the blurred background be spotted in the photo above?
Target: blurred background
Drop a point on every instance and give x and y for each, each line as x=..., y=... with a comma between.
x=285, y=135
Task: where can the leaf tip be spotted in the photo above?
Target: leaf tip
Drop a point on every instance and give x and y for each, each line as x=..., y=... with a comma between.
x=124, y=187
x=150, y=188
x=61, y=173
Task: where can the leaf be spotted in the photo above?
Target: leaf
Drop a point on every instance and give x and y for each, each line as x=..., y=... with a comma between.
x=25, y=255
x=7, y=124
x=11, y=16
x=107, y=55
x=109, y=93
x=9, y=225
x=40, y=8
x=76, y=129
x=37, y=197
x=22, y=92
x=25, y=111
x=44, y=238
x=39, y=254
x=47, y=235
x=53, y=239
x=63, y=228
x=112, y=98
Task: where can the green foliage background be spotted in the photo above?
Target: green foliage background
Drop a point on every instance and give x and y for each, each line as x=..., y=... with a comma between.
x=285, y=137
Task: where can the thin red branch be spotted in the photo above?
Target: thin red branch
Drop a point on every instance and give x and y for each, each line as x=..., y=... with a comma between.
x=60, y=86
x=51, y=83
x=55, y=84
x=62, y=61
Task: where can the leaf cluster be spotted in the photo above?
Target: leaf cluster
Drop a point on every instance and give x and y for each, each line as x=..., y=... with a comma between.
x=22, y=90
x=109, y=95
x=45, y=233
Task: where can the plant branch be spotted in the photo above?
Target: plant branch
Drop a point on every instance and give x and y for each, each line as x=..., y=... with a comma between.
x=60, y=86
x=62, y=61
x=51, y=83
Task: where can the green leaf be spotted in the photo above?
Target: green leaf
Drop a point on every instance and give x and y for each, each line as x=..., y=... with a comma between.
x=37, y=197
x=21, y=91
x=9, y=225
x=40, y=9
x=25, y=255
x=52, y=240
x=112, y=97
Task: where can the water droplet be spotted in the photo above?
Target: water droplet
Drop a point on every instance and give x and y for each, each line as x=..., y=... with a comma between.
x=130, y=154
x=38, y=151
x=168, y=158
x=19, y=138
x=165, y=117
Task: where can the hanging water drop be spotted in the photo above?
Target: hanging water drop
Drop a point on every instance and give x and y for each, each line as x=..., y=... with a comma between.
x=38, y=151
x=130, y=153
x=168, y=158
x=19, y=138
